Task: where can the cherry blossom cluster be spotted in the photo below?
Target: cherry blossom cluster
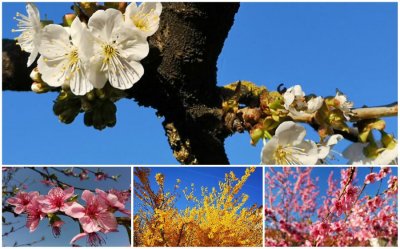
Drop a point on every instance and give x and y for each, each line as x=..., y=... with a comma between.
x=96, y=216
x=288, y=146
x=347, y=215
x=84, y=56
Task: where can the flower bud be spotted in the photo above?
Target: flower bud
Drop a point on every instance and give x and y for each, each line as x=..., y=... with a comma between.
x=90, y=96
x=35, y=75
x=40, y=87
x=255, y=135
x=88, y=118
x=98, y=121
x=86, y=105
x=59, y=107
x=68, y=116
x=100, y=93
x=251, y=115
x=109, y=111
x=68, y=19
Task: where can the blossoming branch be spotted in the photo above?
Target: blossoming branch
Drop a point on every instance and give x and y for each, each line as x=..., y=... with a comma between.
x=92, y=57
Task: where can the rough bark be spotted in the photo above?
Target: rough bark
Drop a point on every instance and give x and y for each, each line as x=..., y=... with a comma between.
x=179, y=80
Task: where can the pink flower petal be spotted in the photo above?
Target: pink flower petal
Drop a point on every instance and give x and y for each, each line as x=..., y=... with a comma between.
x=89, y=225
x=78, y=237
x=87, y=196
x=68, y=193
x=73, y=209
x=19, y=209
x=107, y=221
x=13, y=201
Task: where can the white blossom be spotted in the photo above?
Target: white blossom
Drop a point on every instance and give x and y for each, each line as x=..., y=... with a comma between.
x=288, y=147
x=343, y=104
x=325, y=149
x=295, y=102
x=62, y=59
x=31, y=28
x=116, y=52
x=145, y=18
x=294, y=93
x=356, y=156
x=314, y=104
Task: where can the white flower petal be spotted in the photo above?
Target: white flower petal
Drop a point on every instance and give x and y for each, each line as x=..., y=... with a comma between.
x=323, y=151
x=145, y=18
x=52, y=71
x=126, y=75
x=334, y=139
x=309, y=154
x=147, y=7
x=103, y=24
x=76, y=31
x=79, y=82
x=290, y=132
x=355, y=153
x=34, y=15
x=132, y=45
x=130, y=10
x=30, y=26
x=267, y=152
x=32, y=57
x=288, y=98
x=298, y=91
x=314, y=104
x=55, y=42
x=388, y=156
x=97, y=77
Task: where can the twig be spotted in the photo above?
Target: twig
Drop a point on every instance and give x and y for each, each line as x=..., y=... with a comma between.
x=353, y=169
x=59, y=182
x=358, y=196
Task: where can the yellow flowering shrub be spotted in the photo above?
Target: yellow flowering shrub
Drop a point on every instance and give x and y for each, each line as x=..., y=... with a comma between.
x=216, y=218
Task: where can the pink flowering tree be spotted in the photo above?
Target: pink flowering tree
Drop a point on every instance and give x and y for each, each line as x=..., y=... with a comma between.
x=352, y=211
x=95, y=213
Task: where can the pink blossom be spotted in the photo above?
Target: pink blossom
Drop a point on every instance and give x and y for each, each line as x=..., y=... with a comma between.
x=101, y=176
x=93, y=239
x=348, y=215
x=351, y=192
x=123, y=196
x=337, y=206
x=392, y=185
x=95, y=216
x=370, y=178
x=375, y=203
x=22, y=200
x=383, y=173
x=56, y=227
x=84, y=175
x=48, y=183
x=110, y=199
x=35, y=214
x=56, y=199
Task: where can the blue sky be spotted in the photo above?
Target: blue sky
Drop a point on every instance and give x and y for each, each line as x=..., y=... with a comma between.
x=323, y=173
x=321, y=46
x=70, y=228
x=206, y=177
